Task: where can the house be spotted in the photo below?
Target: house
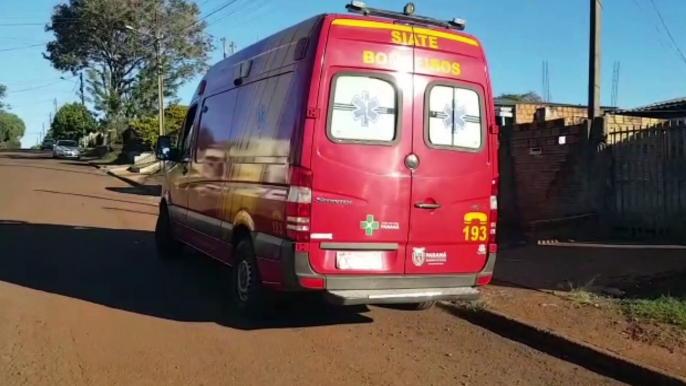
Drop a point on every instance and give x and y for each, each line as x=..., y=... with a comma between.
x=669, y=109
x=510, y=112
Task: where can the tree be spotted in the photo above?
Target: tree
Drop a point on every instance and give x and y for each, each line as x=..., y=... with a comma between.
x=114, y=40
x=72, y=121
x=3, y=93
x=530, y=97
x=12, y=128
x=148, y=129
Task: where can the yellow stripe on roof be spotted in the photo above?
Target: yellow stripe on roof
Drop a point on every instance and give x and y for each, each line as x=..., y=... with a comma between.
x=404, y=28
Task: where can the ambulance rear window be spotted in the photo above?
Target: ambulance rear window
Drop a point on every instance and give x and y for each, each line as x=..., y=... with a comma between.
x=364, y=109
x=454, y=117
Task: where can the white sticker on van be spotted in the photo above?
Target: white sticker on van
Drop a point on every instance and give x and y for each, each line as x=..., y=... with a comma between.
x=369, y=225
x=391, y=226
x=420, y=256
x=365, y=108
x=455, y=119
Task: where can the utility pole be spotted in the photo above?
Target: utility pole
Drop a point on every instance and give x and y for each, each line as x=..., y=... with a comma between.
x=232, y=48
x=160, y=78
x=54, y=102
x=594, y=64
x=83, y=98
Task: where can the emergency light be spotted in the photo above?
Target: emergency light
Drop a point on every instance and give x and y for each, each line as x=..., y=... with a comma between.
x=407, y=15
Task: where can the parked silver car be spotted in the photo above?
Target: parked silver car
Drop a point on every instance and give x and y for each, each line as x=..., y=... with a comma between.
x=66, y=149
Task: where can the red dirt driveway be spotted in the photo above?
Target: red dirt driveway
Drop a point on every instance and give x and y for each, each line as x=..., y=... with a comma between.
x=83, y=301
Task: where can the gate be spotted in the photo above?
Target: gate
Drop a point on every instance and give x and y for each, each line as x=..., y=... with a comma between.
x=648, y=176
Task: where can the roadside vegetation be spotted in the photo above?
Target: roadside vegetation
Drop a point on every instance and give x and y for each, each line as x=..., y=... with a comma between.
x=12, y=127
x=660, y=299
x=120, y=48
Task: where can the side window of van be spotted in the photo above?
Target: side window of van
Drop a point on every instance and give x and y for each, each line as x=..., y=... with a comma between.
x=454, y=118
x=363, y=108
x=214, y=131
x=186, y=134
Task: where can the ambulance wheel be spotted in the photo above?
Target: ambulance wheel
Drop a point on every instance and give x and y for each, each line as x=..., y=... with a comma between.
x=247, y=292
x=418, y=306
x=167, y=246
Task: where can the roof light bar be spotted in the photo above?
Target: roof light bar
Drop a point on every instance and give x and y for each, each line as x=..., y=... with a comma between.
x=407, y=15
x=459, y=23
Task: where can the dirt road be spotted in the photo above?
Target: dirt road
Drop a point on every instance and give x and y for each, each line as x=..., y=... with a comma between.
x=83, y=301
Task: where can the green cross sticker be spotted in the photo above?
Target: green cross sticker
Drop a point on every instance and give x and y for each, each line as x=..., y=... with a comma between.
x=369, y=226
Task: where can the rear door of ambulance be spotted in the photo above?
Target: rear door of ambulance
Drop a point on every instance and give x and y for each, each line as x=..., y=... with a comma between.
x=361, y=186
x=452, y=184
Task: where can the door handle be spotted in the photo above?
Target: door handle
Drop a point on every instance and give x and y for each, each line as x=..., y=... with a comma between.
x=424, y=205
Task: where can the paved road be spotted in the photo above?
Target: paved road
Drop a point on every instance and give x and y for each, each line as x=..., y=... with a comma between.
x=83, y=301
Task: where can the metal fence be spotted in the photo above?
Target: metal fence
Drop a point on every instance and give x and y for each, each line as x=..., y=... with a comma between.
x=648, y=177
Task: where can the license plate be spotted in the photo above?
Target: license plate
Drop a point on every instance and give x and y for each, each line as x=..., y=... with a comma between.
x=364, y=261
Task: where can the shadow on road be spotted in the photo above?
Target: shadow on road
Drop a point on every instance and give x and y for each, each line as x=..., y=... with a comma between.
x=76, y=163
x=96, y=197
x=587, y=267
x=32, y=154
x=151, y=213
x=146, y=190
x=94, y=173
x=119, y=269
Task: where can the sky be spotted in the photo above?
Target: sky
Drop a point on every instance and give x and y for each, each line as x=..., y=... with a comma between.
x=518, y=35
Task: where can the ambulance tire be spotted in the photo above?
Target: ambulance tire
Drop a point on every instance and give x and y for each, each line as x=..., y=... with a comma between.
x=249, y=296
x=167, y=246
x=419, y=306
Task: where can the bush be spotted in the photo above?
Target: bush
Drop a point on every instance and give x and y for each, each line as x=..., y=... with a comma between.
x=148, y=129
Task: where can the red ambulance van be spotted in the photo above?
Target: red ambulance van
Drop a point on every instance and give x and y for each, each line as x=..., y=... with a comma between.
x=352, y=154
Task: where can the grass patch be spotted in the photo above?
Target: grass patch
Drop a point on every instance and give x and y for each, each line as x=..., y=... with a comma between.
x=659, y=298
x=665, y=309
x=477, y=305
x=581, y=296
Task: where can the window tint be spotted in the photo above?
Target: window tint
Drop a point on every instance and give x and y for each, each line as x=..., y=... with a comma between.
x=364, y=109
x=259, y=109
x=186, y=135
x=454, y=117
x=214, y=132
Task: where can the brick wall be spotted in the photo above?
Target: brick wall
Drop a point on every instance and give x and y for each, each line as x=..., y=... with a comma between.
x=616, y=123
x=543, y=179
x=526, y=112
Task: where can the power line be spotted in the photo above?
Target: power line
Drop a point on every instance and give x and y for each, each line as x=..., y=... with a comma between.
x=215, y=11
x=20, y=24
x=18, y=39
x=657, y=29
x=22, y=48
x=244, y=12
x=33, y=88
x=33, y=18
x=669, y=33
x=35, y=80
x=219, y=9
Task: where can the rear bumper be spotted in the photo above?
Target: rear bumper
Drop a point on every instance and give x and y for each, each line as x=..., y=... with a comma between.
x=395, y=296
x=381, y=289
